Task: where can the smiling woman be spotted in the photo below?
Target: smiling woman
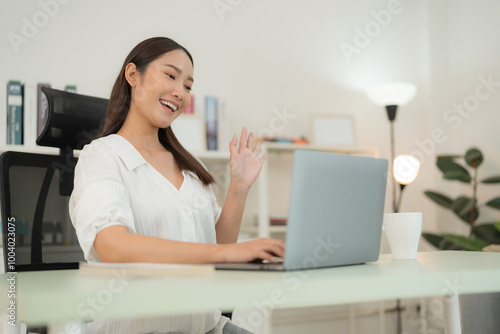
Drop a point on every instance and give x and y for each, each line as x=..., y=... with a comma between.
x=139, y=196
x=144, y=69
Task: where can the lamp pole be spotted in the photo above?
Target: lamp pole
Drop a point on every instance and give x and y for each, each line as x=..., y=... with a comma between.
x=391, y=95
x=391, y=114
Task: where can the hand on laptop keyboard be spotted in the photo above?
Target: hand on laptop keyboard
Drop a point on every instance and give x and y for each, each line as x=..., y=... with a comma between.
x=275, y=260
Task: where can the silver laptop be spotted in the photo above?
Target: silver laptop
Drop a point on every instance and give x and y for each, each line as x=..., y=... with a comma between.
x=335, y=214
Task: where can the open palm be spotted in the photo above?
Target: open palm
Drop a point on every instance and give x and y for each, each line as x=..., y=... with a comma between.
x=245, y=163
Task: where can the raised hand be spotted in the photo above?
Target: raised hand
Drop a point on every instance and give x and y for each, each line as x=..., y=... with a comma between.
x=245, y=163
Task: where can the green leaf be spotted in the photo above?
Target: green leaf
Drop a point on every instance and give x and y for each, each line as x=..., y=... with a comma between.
x=497, y=225
x=471, y=204
x=449, y=156
x=448, y=245
x=439, y=198
x=440, y=243
x=462, y=208
x=473, y=157
x=494, y=203
x=487, y=232
x=448, y=165
x=469, y=244
x=433, y=239
x=462, y=176
x=492, y=179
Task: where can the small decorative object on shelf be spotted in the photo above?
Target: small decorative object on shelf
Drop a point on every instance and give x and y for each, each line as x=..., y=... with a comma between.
x=278, y=221
x=333, y=130
x=14, y=113
x=285, y=140
x=190, y=108
x=211, y=122
x=70, y=88
x=52, y=233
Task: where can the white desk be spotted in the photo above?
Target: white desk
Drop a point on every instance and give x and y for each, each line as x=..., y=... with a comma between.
x=53, y=296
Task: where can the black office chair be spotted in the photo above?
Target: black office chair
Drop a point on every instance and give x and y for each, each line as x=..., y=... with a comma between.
x=35, y=188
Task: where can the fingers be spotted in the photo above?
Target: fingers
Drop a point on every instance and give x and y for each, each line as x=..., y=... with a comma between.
x=262, y=248
x=233, y=144
x=257, y=147
x=246, y=141
x=243, y=139
x=272, y=248
x=250, y=141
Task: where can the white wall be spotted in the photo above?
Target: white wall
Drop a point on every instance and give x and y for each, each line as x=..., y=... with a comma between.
x=271, y=55
x=463, y=50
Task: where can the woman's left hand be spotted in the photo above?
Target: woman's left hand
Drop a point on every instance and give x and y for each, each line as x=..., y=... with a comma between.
x=245, y=163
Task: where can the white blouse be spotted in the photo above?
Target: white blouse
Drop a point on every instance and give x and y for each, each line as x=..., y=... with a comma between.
x=115, y=185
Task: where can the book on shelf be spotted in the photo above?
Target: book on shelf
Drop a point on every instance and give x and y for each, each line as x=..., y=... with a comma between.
x=99, y=269
x=30, y=107
x=222, y=130
x=41, y=108
x=14, y=113
x=278, y=221
x=70, y=88
x=211, y=122
x=190, y=108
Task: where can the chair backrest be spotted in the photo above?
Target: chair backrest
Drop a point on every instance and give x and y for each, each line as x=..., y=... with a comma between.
x=72, y=120
x=35, y=188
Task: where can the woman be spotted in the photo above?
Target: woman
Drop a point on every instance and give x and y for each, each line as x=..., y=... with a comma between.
x=139, y=196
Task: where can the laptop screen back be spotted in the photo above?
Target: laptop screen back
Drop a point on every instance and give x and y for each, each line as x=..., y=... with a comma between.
x=336, y=210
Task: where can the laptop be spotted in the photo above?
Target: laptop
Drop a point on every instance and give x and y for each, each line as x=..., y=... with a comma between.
x=335, y=213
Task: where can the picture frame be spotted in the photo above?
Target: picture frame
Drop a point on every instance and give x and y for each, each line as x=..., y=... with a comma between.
x=333, y=130
x=190, y=131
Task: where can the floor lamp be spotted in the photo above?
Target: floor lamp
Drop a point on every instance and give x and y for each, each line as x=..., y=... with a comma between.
x=391, y=96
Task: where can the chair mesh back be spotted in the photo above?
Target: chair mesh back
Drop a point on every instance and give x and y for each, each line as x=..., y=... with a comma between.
x=35, y=195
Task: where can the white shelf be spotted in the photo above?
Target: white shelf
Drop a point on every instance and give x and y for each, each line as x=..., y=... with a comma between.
x=272, y=229
x=272, y=146
x=205, y=155
x=30, y=149
x=212, y=155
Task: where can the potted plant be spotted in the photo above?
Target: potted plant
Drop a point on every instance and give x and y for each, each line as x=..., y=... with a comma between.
x=466, y=208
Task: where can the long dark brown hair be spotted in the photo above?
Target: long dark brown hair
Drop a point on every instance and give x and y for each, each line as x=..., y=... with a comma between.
x=119, y=103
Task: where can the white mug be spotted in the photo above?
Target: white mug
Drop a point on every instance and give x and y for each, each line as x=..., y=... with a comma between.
x=403, y=231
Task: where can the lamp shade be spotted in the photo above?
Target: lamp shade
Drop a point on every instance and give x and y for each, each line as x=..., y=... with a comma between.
x=405, y=169
x=395, y=93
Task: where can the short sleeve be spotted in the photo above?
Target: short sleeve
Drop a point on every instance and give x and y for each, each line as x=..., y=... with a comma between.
x=99, y=198
x=215, y=205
